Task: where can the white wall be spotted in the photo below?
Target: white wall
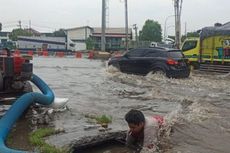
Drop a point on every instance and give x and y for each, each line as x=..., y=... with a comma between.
x=36, y=45
x=76, y=34
x=80, y=46
x=79, y=35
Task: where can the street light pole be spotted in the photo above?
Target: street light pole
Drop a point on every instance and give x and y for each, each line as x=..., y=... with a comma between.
x=166, y=26
x=167, y=29
x=126, y=25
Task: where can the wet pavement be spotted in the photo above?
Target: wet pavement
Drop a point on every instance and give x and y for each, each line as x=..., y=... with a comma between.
x=197, y=108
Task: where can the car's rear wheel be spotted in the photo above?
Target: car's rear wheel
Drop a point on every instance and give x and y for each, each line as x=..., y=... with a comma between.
x=159, y=71
x=116, y=65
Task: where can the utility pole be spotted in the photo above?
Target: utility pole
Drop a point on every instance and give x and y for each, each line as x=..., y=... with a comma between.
x=20, y=24
x=30, y=26
x=107, y=13
x=185, y=29
x=0, y=26
x=136, y=36
x=103, y=25
x=126, y=26
x=177, y=9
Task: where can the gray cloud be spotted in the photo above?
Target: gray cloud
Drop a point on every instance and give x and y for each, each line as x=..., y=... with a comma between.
x=48, y=15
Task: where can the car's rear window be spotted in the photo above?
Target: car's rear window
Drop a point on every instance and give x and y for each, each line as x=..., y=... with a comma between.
x=175, y=54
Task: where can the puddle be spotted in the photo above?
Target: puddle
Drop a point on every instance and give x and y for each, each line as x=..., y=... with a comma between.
x=111, y=146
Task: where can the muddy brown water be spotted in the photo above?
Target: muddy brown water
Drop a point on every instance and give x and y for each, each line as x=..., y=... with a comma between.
x=197, y=108
x=106, y=147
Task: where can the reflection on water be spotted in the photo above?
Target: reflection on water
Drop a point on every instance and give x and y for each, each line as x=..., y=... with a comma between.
x=196, y=107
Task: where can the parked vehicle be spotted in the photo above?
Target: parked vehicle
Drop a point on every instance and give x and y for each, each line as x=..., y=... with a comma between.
x=211, y=47
x=141, y=61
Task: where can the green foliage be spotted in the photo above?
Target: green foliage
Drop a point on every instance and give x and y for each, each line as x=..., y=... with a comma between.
x=104, y=119
x=59, y=33
x=151, y=31
x=36, y=139
x=0, y=27
x=90, y=44
x=193, y=34
x=9, y=44
x=172, y=37
x=18, y=32
x=190, y=34
x=100, y=119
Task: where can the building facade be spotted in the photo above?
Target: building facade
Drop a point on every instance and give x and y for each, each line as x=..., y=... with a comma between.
x=115, y=37
x=35, y=43
x=79, y=36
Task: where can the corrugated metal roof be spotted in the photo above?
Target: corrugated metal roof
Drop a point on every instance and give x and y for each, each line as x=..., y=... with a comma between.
x=35, y=38
x=226, y=25
x=97, y=30
x=83, y=27
x=215, y=31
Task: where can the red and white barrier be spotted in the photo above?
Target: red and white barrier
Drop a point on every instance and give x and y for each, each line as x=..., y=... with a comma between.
x=78, y=54
x=60, y=54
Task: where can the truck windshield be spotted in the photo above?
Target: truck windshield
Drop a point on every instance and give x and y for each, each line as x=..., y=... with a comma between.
x=191, y=44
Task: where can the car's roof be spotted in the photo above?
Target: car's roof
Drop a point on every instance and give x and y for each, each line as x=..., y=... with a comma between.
x=161, y=49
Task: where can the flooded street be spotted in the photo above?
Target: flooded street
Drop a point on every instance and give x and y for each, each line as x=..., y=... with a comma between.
x=198, y=108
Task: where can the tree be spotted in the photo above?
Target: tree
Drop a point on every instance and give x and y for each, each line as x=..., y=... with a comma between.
x=190, y=34
x=59, y=33
x=0, y=26
x=90, y=43
x=151, y=31
x=18, y=32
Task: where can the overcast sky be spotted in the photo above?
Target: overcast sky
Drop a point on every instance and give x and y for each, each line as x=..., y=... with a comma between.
x=50, y=15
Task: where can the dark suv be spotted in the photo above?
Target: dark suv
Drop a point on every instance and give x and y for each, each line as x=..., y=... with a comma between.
x=141, y=61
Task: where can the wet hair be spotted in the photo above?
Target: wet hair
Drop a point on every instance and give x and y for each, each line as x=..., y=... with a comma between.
x=134, y=117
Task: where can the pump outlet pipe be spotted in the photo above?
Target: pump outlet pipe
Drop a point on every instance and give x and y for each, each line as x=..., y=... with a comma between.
x=18, y=108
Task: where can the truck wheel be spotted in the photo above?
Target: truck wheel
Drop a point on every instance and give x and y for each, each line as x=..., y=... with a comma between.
x=1, y=82
x=195, y=65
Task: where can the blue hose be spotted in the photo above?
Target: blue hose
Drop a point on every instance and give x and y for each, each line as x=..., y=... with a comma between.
x=19, y=106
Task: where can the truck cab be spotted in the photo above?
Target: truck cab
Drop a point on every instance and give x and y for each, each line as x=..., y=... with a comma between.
x=191, y=49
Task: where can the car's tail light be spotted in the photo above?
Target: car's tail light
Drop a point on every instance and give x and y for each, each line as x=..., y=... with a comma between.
x=172, y=62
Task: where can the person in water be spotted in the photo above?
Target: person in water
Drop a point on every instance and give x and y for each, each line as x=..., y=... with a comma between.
x=143, y=131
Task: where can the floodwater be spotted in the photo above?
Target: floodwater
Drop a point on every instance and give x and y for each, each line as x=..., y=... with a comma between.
x=197, y=108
